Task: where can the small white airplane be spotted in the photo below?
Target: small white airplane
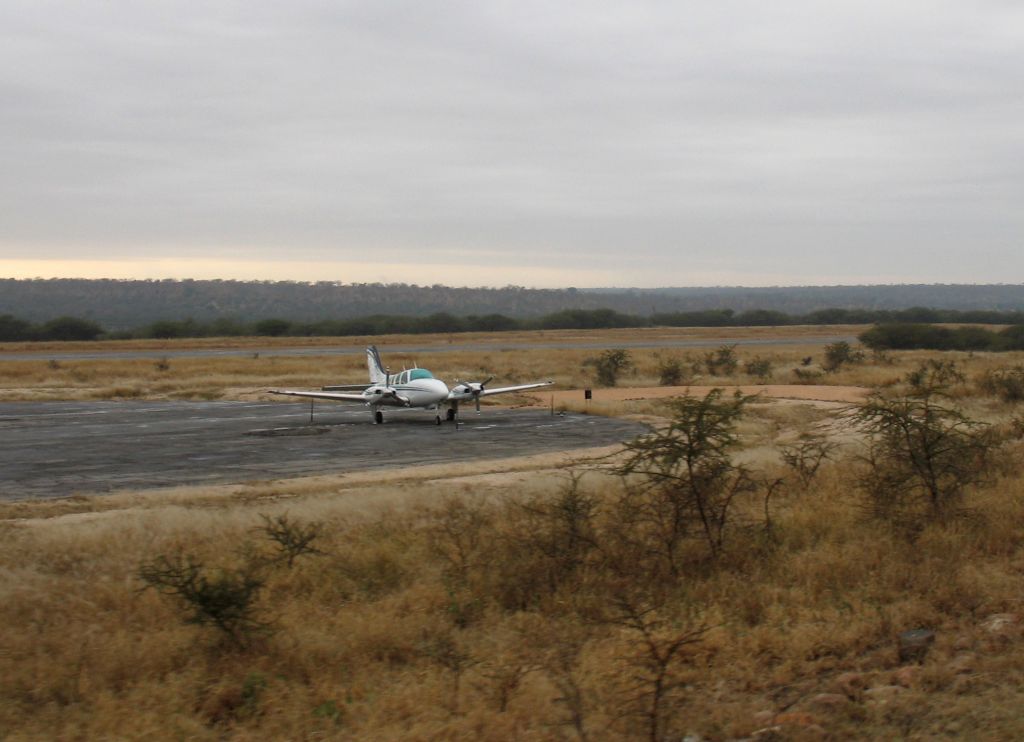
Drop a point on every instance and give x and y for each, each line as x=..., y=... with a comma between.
x=415, y=387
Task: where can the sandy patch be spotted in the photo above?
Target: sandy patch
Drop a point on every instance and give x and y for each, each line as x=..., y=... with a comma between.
x=820, y=393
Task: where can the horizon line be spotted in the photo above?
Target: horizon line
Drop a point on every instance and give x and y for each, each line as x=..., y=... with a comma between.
x=482, y=287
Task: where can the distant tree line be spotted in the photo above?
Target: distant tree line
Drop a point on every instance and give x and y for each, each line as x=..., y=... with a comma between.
x=896, y=329
x=911, y=336
x=60, y=328
x=836, y=316
x=128, y=304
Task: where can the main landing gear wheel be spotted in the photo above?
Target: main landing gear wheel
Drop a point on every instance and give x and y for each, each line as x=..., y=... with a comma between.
x=450, y=415
x=437, y=420
x=378, y=417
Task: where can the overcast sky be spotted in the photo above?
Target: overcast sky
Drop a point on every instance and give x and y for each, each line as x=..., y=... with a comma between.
x=533, y=143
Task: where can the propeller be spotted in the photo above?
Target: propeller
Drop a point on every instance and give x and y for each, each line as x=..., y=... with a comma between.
x=388, y=390
x=384, y=393
x=475, y=388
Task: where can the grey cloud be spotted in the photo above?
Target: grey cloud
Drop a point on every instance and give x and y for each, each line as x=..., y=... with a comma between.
x=742, y=137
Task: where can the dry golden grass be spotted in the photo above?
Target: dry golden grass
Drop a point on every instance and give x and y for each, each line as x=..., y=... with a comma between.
x=231, y=378
x=407, y=627
x=354, y=653
x=369, y=639
x=246, y=377
x=711, y=335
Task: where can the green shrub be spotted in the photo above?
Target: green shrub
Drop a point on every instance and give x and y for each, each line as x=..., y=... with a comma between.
x=70, y=328
x=689, y=481
x=722, y=362
x=760, y=368
x=273, y=327
x=293, y=539
x=839, y=354
x=610, y=364
x=922, y=453
x=1005, y=383
x=225, y=599
x=909, y=336
x=671, y=372
x=14, y=328
x=805, y=456
x=1012, y=338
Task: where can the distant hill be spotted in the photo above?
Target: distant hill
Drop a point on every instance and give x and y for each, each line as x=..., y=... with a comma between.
x=123, y=304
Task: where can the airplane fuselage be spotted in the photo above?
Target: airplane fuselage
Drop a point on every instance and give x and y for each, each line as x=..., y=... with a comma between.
x=426, y=393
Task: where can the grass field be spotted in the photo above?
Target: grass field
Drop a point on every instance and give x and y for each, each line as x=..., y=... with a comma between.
x=228, y=378
x=508, y=600
x=247, y=376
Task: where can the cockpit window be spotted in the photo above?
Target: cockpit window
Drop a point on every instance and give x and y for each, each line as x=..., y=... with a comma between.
x=420, y=373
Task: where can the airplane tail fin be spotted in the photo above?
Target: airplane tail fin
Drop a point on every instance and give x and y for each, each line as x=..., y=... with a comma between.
x=377, y=373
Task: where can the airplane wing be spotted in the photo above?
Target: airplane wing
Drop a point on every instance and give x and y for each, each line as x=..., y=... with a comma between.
x=520, y=388
x=461, y=392
x=336, y=396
